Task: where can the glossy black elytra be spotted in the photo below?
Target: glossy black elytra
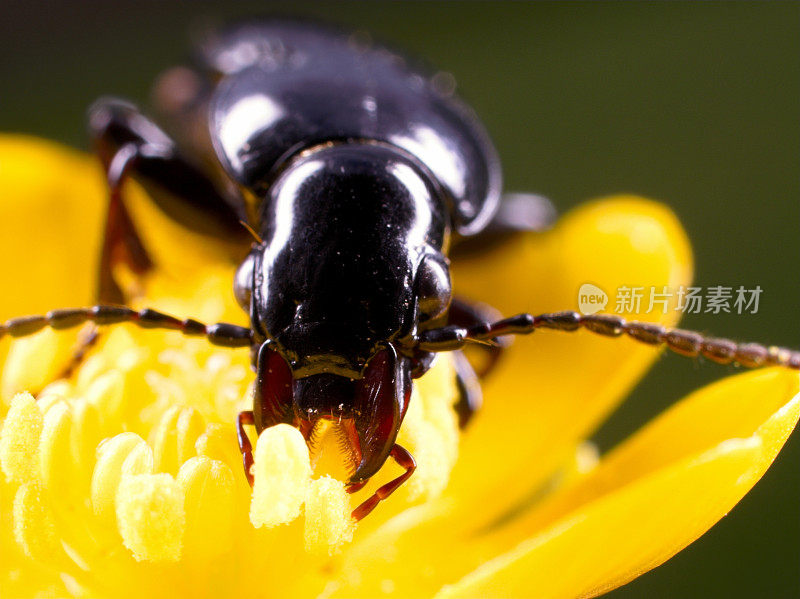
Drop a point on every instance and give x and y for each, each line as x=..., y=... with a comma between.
x=358, y=174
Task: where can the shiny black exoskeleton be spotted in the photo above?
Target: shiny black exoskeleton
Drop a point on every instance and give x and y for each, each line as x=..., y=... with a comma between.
x=354, y=170
x=355, y=173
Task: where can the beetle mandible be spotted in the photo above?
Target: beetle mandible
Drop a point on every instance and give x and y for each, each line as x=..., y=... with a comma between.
x=356, y=174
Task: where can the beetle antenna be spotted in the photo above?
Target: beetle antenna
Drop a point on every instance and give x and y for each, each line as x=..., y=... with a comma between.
x=252, y=232
x=686, y=343
x=222, y=334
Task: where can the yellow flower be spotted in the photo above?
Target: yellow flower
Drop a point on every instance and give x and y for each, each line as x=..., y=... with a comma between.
x=125, y=479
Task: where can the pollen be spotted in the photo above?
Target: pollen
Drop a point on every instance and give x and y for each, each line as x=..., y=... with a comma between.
x=130, y=468
x=21, y=432
x=125, y=453
x=151, y=517
x=328, y=523
x=282, y=472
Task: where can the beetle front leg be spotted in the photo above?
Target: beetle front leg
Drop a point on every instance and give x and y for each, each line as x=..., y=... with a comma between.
x=130, y=145
x=466, y=314
x=404, y=460
x=516, y=213
x=121, y=242
x=470, y=397
x=86, y=342
x=245, y=418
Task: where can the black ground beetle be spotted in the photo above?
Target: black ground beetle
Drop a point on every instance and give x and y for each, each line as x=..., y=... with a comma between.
x=355, y=173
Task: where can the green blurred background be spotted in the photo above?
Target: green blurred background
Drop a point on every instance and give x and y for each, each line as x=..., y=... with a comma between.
x=693, y=104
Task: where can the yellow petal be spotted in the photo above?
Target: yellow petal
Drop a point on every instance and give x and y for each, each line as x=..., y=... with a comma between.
x=553, y=388
x=39, y=179
x=649, y=498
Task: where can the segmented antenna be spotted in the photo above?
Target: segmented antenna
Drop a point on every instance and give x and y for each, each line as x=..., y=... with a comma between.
x=448, y=338
x=223, y=334
x=686, y=343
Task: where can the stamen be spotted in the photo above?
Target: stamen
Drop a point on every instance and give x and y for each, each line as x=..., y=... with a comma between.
x=218, y=442
x=151, y=517
x=127, y=452
x=25, y=370
x=57, y=465
x=19, y=441
x=34, y=528
x=282, y=472
x=328, y=521
x=208, y=486
x=174, y=437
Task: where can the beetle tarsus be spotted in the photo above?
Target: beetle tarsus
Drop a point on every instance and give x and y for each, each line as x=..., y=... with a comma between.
x=404, y=460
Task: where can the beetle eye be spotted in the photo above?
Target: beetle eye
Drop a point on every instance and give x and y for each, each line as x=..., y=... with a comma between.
x=243, y=283
x=433, y=287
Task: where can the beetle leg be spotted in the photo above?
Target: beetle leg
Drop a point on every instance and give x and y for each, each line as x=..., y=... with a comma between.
x=470, y=397
x=463, y=313
x=245, y=418
x=130, y=145
x=121, y=243
x=87, y=340
x=404, y=460
x=516, y=213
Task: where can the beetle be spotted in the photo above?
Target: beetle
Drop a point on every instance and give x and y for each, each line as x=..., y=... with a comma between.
x=357, y=175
